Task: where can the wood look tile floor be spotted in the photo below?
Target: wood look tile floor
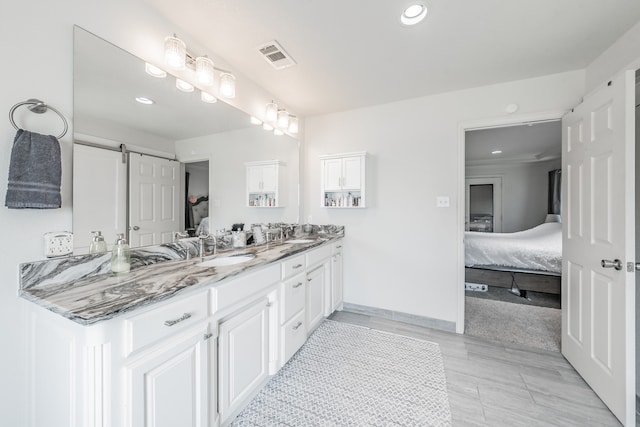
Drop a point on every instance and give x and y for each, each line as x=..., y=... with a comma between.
x=497, y=384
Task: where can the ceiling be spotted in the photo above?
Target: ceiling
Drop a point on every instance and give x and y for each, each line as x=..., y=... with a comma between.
x=355, y=53
x=525, y=143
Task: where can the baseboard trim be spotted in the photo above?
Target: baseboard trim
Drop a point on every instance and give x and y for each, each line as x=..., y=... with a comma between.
x=400, y=316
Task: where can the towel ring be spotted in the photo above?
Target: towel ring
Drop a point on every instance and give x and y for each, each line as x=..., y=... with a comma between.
x=38, y=107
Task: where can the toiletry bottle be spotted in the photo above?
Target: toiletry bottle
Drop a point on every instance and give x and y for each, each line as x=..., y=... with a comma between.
x=98, y=245
x=121, y=256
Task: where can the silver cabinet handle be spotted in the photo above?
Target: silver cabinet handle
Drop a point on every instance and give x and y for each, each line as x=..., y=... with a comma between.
x=174, y=321
x=616, y=263
x=295, y=328
x=297, y=266
x=207, y=336
x=297, y=285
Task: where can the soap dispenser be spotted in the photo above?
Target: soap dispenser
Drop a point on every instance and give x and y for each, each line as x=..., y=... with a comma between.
x=121, y=256
x=98, y=245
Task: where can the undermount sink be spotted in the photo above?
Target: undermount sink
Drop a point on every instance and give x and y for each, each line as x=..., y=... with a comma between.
x=296, y=241
x=228, y=260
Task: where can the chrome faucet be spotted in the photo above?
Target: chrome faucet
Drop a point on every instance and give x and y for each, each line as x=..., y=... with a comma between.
x=201, y=239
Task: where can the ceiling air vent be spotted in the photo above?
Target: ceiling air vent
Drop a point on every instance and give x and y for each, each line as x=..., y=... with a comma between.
x=275, y=55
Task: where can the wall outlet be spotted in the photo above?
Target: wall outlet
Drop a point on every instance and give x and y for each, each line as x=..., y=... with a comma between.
x=58, y=243
x=443, y=202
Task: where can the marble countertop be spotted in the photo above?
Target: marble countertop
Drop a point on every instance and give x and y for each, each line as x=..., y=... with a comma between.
x=93, y=299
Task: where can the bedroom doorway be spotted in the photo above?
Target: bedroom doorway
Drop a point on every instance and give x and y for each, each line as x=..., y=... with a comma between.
x=196, y=201
x=507, y=196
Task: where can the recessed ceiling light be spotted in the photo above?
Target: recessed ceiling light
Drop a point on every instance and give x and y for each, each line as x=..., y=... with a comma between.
x=496, y=152
x=413, y=14
x=184, y=86
x=208, y=98
x=143, y=100
x=154, y=71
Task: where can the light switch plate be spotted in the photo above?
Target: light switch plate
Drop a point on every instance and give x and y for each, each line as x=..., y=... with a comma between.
x=58, y=243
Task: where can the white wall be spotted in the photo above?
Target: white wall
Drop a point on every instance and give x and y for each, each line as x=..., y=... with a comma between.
x=227, y=153
x=524, y=191
x=401, y=252
x=39, y=40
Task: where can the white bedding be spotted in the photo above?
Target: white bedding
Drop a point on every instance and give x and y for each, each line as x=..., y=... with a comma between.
x=539, y=248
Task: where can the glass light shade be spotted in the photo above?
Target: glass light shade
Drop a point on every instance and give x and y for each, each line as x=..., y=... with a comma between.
x=227, y=85
x=267, y=126
x=175, y=53
x=204, y=70
x=278, y=132
x=293, y=124
x=184, y=86
x=154, y=71
x=208, y=98
x=255, y=121
x=283, y=119
x=271, y=112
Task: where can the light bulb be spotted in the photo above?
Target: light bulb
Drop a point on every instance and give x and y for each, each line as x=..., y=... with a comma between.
x=293, y=124
x=208, y=98
x=271, y=112
x=184, y=86
x=227, y=85
x=175, y=53
x=204, y=70
x=283, y=119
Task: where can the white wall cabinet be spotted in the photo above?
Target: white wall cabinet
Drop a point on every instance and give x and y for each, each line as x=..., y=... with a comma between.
x=343, y=180
x=266, y=184
x=243, y=357
x=170, y=386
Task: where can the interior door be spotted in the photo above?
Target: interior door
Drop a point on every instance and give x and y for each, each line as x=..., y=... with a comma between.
x=598, y=300
x=154, y=206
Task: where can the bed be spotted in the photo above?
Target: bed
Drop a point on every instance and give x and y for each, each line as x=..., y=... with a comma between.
x=524, y=260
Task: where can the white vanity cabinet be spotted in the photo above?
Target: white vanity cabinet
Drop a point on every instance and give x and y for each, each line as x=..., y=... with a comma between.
x=318, y=262
x=243, y=357
x=343, y=180
x=266, y=184
x=336, y=276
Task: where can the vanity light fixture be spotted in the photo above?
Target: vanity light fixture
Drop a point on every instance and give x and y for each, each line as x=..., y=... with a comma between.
x=413, y=14
x=184, y=86
x=271, y=112
x=208, y=98
x=283, y=119
x=175, y=52
x=278, y=132
x=255, y=121
x=228, y=85
x=144, y=100
x=267, y=126
x=204, y=70
x=154, y=71
x=293, y=124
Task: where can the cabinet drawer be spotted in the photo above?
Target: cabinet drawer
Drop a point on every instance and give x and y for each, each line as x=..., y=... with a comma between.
x=318, y=255
x=293, y=296
x=153, y=325
x=293, y=266
x=293, y=334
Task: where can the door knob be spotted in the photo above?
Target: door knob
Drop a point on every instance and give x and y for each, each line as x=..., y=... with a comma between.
x=616, y=263
x=135, y=228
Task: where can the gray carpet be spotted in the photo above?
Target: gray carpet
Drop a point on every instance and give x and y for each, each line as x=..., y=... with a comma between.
x=538, y=327
x=348, y=375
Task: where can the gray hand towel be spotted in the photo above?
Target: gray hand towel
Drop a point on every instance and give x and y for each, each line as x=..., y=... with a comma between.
x=34, y=172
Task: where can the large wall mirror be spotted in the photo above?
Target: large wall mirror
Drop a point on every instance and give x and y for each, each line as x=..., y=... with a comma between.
x=181, y=152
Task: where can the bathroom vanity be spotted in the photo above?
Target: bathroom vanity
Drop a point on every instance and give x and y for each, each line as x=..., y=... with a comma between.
x=176, y=343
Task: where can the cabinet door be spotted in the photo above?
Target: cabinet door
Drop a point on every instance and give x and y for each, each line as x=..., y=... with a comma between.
x=269, y=178
x=254, y=179
x=336, y=282
x=315, y=297
x=243, y=357
x=332, y=169
x=351, y=168
x=170, y=387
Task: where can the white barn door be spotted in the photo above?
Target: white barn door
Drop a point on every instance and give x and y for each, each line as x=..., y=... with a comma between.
x=598, y=299
x=154, y=203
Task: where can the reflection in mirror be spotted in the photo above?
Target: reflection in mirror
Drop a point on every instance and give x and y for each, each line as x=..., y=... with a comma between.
x=147, y=197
